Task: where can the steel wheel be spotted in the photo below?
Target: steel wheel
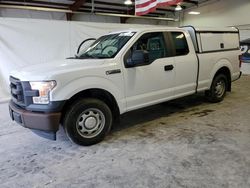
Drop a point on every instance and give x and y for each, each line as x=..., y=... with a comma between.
x=87, y=121
x=90, y=123
x=220, y=88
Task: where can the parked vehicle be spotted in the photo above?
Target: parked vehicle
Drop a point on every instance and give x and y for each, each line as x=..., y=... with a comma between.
x=245, y=50
x=120, y=72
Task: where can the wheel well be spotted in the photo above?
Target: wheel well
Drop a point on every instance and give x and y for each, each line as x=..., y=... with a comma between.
x=226, y=72
x=100, y=94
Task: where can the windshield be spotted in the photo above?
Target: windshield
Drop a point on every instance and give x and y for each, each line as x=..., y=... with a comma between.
x=106, y=46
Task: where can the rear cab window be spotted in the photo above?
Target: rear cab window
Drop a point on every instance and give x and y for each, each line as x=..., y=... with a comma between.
x=180, y=44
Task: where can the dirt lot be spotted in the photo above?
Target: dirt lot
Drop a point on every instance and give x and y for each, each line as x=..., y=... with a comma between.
x=182, y=143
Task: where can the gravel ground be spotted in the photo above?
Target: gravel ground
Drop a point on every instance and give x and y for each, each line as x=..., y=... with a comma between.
x=182, y=143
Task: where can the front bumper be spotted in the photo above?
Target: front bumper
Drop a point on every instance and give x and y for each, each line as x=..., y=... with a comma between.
x=48, y=122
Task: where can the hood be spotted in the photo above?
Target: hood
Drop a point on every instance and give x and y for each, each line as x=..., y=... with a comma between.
x=46, y=71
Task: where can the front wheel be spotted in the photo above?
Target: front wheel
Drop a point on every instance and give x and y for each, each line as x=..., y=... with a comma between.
x=87, y=121
x=218, y=88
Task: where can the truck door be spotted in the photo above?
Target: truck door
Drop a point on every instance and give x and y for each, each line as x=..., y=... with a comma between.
x=185, y=62
x=150, y=81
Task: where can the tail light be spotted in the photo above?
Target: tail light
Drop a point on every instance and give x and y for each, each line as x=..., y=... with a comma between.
x=240, y=60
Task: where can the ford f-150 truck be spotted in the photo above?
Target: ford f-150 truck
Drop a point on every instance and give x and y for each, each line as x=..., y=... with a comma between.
x=120, y=72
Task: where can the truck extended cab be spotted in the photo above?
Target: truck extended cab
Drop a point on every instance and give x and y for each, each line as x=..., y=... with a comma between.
x=120, y=72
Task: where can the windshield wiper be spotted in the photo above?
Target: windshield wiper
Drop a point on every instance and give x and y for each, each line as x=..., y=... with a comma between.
x=86, y=56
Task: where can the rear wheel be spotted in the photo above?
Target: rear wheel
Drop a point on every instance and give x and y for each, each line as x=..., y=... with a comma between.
x=87, y=121
x=218, y=88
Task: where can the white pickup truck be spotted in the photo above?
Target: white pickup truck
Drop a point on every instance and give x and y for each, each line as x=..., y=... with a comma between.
x=120, y=72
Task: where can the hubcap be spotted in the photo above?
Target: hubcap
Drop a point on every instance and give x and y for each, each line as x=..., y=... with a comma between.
x=220, y=88
x=90, y=123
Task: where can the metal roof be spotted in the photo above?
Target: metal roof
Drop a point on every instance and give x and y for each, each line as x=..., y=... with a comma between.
x=94, y=6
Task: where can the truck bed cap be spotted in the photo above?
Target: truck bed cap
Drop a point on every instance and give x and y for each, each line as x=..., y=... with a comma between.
x=219, y=29
x=146, y=28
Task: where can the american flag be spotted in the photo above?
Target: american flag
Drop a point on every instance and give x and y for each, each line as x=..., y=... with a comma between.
x=145, y=6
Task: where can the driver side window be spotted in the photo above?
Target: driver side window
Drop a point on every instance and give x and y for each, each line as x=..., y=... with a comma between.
x=153, y=43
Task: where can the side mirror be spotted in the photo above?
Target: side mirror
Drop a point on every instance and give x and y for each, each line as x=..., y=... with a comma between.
x=138, y=58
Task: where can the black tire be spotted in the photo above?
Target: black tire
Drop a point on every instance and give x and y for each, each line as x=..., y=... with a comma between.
x=87, y=121
x=218, y=89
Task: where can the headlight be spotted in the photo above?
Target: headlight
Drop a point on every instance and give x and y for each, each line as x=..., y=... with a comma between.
x=44, y=88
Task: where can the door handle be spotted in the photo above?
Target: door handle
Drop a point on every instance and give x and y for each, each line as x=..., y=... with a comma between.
x=168, y=67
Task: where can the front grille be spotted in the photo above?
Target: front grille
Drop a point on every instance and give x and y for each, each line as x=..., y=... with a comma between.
x=16, y=91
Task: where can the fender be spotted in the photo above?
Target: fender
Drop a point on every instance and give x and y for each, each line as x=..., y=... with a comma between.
x=221, y=63
x=65, y=92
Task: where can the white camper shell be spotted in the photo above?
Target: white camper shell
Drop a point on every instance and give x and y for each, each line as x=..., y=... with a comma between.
x=212, y=40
